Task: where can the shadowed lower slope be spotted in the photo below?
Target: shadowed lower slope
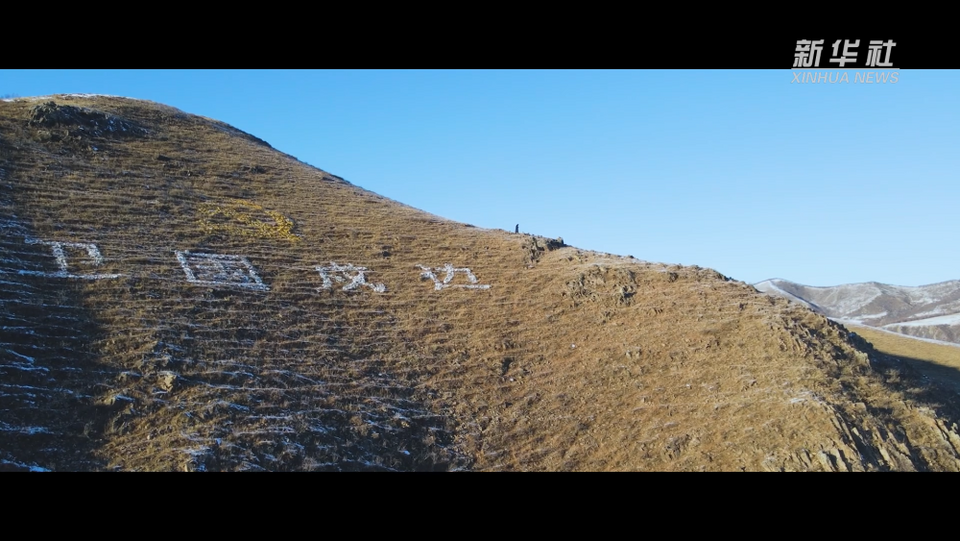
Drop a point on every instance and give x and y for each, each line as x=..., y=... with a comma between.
x=235, y=309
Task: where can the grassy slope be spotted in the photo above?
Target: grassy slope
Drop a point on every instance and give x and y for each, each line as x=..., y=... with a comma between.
x=938, y=361
x=571, y=360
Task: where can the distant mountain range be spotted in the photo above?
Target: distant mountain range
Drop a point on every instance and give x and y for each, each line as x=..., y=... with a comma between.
x=930, y=311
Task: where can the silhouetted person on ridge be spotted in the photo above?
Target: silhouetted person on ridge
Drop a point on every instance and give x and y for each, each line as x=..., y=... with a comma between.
x=516, y=229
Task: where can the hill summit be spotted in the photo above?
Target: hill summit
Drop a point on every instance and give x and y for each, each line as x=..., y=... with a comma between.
x=175, y=294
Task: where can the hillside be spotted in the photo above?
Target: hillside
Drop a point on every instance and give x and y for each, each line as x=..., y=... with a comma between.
x=175, y=294
x=937, y=361
x=930, y=311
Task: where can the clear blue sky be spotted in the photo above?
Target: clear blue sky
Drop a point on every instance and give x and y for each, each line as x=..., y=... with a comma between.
x=740, y=171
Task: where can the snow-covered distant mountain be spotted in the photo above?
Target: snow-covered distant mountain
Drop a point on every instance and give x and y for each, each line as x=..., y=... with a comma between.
x=930, y=311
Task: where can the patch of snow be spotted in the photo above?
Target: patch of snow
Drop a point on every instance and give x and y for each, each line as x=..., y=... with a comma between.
x=19, y=329
x=951, y=319
x=25, y=367
x=869, y=316
x=52, y=96
x=770, y=287
x=848, y=298
x=938, y=311
x=29, y=430
x=32, y=468
x=31, y=360
x=28, y=387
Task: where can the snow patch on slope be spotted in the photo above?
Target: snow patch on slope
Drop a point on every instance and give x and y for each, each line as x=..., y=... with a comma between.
x=52, y=96
x=951, y=319
x=867, y=317
x=846, y=299
x=770, y=286
x=848, y=322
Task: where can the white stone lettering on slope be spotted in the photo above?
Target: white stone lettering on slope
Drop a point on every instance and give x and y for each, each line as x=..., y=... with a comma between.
x=431, y=273
x=219, y=270
x=344, y=273
x=93, y=256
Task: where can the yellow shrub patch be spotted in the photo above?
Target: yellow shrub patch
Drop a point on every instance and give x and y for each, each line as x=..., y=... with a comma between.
x=238, y=216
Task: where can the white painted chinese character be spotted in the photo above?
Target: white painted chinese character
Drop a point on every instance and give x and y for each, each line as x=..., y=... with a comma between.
x=342, y=273
x=451, y=271
x=848, y=55
x=808, y=53
x=873, y=54
x=93, y=255
x=219, y=270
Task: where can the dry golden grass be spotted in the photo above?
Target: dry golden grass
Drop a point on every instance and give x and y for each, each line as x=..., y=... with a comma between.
x=905, y=346
x=570, y=360
x=940, y=361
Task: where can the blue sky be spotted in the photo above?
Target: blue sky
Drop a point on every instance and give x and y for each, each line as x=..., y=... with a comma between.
x=741, y=171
